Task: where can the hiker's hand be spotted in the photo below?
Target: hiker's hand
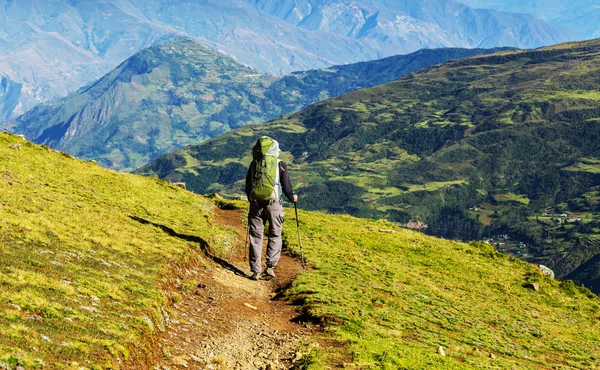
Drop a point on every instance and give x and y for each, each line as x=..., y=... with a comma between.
x=295, y=198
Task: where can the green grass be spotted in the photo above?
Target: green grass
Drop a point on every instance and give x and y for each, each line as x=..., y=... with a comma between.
x=511, y=197
x=81, y=280
x=433, y=185
x=394, y=298
x=589, y=165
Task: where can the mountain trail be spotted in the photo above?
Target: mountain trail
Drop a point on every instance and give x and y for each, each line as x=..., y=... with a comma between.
x=231, y=322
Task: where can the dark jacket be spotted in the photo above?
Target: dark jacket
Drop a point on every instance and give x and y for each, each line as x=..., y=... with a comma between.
x=284, y=178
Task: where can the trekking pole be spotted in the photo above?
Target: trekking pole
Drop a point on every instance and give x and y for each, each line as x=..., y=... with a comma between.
x=299, y=240
x=246, y=243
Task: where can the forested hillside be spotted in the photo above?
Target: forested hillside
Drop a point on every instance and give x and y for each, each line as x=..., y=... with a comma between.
x=181, y=92
x=481, y=147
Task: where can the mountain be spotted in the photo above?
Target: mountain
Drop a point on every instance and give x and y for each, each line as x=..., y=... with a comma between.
x=181, y=92
x=415, y=24
x=49, y=49
x=581, y=17
x=480, y=147
x=96, y=267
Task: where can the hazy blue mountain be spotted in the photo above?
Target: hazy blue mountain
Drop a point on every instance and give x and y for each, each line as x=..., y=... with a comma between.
x=580, y=16
x=415, y=24
x=181, y=92
x=51, y=48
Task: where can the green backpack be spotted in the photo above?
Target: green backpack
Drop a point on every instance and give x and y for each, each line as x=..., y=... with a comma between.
x=264, y=170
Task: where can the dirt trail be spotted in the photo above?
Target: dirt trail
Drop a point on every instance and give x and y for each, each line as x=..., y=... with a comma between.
x=232, y=322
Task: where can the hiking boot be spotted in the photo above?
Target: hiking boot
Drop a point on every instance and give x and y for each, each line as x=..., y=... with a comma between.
x=270, y=272
x=255, y=276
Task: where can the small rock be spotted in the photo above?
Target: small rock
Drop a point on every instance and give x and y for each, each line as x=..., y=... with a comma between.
x=45, y=338
x=15, y=146
x=19, y=368
x=179, y=185
x=297, y=357
x=250, y=306
x=546, y=271
x=492, y=356
x=532, y=286
x=441, y=351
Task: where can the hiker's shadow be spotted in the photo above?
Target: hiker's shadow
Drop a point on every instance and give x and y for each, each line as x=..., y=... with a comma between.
x=204, y=247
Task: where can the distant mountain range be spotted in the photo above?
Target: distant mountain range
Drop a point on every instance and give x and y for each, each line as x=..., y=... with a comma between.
x=48, y=49
x=181, y=92
x=581, y=16
x=480, y=147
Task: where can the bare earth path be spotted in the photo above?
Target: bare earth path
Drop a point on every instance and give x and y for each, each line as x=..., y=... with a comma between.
x=231, y=322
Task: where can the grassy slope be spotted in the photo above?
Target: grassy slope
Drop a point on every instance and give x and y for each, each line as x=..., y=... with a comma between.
x=80, y=280
x=395, y=297
x=510, y=135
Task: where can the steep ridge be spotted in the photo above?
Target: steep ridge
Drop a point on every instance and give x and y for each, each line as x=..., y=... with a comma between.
x=181, y=92
x=474, y=148
x=107, y=270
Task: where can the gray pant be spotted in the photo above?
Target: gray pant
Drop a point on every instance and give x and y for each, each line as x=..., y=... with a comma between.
x=257, y=217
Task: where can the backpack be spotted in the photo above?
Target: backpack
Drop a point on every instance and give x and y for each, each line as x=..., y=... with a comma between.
x=264, y=170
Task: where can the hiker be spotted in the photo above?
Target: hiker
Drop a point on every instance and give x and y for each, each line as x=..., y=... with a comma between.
x=267, y=178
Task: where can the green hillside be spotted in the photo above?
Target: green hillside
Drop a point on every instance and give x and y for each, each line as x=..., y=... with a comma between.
x=84, y=259
x=180, y=93
x=89, y=260
x=395, y=296
x=480, y=147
